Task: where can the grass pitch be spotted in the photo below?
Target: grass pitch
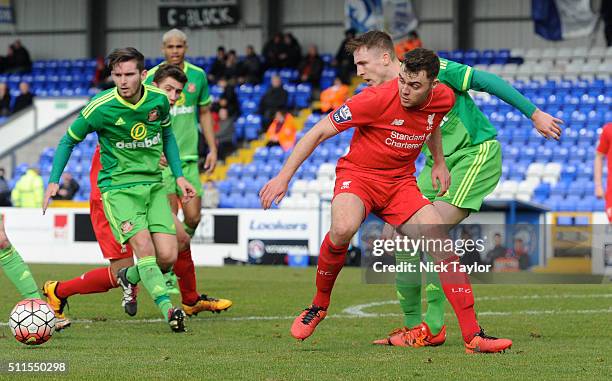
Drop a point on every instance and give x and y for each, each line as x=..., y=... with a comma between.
x=560, y=332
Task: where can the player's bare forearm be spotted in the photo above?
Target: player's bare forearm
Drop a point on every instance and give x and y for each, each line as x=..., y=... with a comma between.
x=206, y=124
x=322, y=131
x=434, y=143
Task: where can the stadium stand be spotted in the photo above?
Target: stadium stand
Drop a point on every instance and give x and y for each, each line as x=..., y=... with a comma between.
x=572, y=84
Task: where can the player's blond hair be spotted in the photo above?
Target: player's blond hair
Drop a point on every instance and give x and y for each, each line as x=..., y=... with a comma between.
x=174, y=33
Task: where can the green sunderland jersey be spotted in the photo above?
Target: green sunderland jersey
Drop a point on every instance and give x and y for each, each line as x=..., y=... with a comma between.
x=185, y=114
x=464, y=125
x=130, y=136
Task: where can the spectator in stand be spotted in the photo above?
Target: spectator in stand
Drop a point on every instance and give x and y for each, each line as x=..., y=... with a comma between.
x=272, y=51
x=210, y=198
x=28, y=191
x=273, y=100
x=5, y=100
x=231, y=70
x=227, y=99
x=520, y=253
x=225, y=134
x=292, y=52
x=25, y=98
x=5, y=190
x=19, y=60
x=250, y=67
x=499, y=251
x=282, y=131
x=311, y=67
x=411, y=42
x=68, y=188
x=218, y=67
x=344, y=60
x=334, y=96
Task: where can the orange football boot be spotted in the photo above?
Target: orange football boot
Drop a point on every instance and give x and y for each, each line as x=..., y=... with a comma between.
x=482, y=343
x=419, y=336
x=304, y=325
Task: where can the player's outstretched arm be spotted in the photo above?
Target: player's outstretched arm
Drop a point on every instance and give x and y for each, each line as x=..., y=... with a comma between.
x=597, y=174
x=439, y=170
x=547, y=125
x=276, y=188
x=75, y=134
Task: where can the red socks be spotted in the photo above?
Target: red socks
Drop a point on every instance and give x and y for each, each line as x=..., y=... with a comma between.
x=94, y=281
x=458, y=291
x=331, y=260
x=185, y=272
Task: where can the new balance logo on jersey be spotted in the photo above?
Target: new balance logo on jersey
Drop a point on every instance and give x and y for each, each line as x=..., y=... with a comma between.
x=398, y=122
x=430, y=121
x=346, y=184
x=120, y=122
x=146, y=143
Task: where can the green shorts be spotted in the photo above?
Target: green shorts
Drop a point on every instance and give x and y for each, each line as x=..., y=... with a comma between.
x=475, y=172
x=191, y=173
x=130, y=210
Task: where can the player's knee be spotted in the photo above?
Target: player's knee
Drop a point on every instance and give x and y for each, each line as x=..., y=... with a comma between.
x=165, y=262
x=342, y=232
x=143, y=246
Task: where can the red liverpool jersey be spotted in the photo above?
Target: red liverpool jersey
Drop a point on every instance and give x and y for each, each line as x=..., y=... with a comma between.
x=388, y=137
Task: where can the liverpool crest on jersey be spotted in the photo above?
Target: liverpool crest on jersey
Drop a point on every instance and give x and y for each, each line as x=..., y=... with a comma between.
x=153, y=115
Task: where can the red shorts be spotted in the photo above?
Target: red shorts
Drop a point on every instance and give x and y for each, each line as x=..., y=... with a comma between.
x=111, y=249
x=609, y=206
x=393, y=201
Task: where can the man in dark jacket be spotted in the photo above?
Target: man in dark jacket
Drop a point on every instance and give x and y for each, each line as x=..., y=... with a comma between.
x=25, y=98
x=311, y=67
x=273, y=100
x=250, y=67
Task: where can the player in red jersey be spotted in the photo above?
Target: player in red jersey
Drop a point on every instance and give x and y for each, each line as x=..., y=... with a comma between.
x=604, y=149
x=392, y=122
x=171, y=80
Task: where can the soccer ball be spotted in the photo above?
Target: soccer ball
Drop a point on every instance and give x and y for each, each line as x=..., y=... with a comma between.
x=32, y=321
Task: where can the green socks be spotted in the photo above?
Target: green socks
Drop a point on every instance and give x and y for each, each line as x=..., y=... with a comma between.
x=434, y=317
x=408, y=286
x=132, y=274
x=18, y=272
x=155, y=283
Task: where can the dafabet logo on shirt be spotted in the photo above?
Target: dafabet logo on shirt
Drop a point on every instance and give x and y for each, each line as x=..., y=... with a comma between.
x=139, y=135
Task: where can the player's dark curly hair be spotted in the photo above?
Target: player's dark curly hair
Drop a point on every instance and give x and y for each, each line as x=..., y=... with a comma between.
x=172, y=71
x=421, y=59
x=372, y=39
x=123, y=55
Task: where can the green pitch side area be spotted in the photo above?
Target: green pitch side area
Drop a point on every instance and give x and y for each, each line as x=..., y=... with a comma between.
x=560, y=332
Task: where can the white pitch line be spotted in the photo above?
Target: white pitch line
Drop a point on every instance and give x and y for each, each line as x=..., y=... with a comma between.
x=358, y=309
x=345, y=316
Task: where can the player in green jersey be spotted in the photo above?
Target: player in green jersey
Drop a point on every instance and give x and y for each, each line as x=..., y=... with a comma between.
x=15, y=268
x=132, y=122
x=473, y=157
x=191, y=110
